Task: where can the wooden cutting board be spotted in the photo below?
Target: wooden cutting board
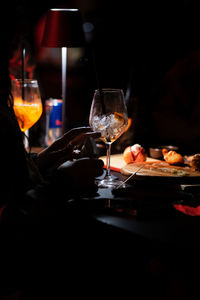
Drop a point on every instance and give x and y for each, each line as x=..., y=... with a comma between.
x=116, y=162
x=159, y=169
x=151, y=168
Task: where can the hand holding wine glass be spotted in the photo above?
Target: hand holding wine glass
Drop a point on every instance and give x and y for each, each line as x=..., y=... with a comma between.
x=108, y=115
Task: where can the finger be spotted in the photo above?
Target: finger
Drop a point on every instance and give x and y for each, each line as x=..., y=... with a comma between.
x=82, y=138
x=77, y=140
x=56, y=158
x=75, y=132
x=92, y=162
x=93, y=134
x=67, y=137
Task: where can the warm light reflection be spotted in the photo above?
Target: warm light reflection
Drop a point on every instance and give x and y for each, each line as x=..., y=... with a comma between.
x=27, y=113
x=129, y=124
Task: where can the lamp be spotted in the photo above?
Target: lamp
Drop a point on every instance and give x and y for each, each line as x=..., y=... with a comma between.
x=63, y=29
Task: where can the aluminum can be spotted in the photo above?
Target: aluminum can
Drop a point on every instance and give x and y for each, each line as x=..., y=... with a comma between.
x=54, y=126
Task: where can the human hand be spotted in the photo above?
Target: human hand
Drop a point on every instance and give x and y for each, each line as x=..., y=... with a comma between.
x=82, y=173
x=63, y=148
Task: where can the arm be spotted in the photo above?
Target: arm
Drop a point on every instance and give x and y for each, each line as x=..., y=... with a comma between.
x=63, y=149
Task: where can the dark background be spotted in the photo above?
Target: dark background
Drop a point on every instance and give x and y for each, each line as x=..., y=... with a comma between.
x=150, y=49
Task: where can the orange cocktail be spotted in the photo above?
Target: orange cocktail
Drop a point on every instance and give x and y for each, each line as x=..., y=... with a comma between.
x=27, y=113
x=27, y=102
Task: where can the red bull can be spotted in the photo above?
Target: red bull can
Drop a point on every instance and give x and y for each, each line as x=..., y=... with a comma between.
x=54, y=125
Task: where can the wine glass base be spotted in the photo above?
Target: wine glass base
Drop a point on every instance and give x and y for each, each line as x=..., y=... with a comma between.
x=110, y=183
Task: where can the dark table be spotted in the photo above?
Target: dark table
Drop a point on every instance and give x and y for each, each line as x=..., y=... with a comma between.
x=157, y=226
x=143, y=223
x=146, y=211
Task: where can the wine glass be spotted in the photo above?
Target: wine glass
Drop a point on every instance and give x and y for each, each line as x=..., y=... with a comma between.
x=27, y=102
x=108, y=115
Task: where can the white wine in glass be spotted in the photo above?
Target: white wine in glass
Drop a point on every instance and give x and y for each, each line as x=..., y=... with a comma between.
x=108, y=115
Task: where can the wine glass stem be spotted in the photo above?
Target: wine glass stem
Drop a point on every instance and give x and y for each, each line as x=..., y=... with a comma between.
x=108, y=152
x=26, y=143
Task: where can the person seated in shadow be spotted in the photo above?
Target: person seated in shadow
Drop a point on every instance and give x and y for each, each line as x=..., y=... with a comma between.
x=45, y=172
x=35, y=188
x=22, y=171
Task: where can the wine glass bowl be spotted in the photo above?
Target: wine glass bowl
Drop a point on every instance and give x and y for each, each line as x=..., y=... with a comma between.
x=108, y=115
x=27, y=102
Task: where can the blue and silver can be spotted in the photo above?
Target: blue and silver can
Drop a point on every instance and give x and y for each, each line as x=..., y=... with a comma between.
x=54, y=126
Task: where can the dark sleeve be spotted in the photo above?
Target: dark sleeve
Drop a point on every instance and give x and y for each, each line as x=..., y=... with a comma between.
x=14, y=172
x=45, y=199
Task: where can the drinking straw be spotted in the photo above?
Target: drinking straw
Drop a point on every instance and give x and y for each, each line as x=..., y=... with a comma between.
x=125, y=181
x=23, y=69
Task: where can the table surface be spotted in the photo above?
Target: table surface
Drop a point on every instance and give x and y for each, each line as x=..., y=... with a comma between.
x=146, y=211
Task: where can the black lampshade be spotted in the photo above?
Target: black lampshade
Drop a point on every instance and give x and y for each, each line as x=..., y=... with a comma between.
x=63, y=28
